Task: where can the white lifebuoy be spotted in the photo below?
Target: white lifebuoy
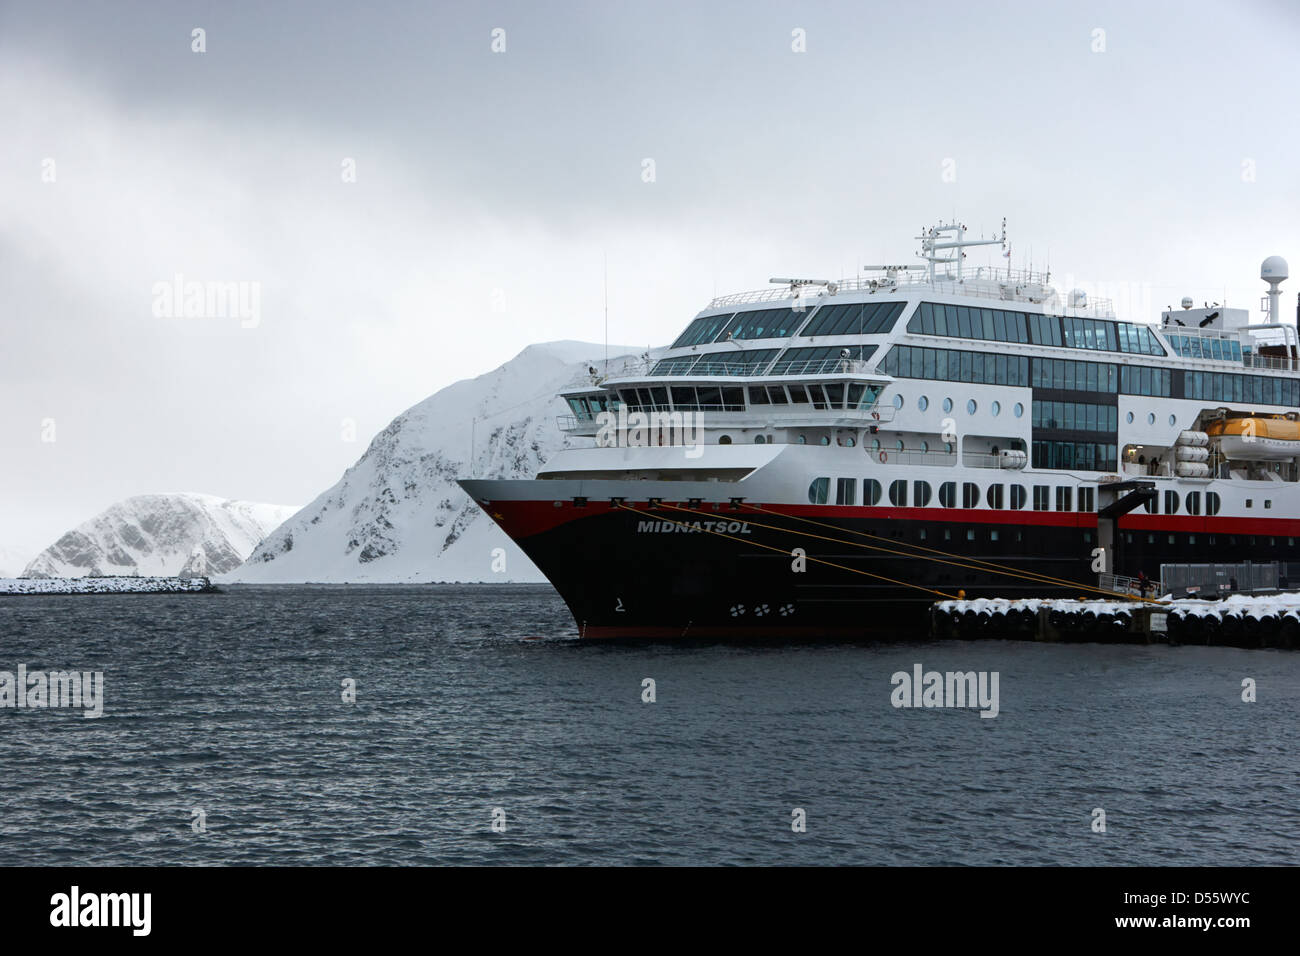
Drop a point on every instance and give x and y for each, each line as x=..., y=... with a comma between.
x=884, y=456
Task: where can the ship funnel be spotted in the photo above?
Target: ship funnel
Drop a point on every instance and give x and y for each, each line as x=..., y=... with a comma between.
x=1273, y=270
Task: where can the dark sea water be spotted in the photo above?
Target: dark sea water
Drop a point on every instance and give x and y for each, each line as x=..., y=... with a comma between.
x=476, y=698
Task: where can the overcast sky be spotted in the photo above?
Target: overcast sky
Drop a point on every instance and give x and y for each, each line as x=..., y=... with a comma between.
x=1149, y=149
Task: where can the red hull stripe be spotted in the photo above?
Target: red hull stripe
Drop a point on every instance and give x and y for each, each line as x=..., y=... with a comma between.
x=523, y=519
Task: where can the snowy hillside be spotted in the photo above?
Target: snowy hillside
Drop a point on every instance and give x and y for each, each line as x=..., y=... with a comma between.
x=397, y=514
x=160, y=535
x=11, y=562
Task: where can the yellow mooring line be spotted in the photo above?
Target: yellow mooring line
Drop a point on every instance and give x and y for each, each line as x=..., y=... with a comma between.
x=973, y=564
x=784, y=551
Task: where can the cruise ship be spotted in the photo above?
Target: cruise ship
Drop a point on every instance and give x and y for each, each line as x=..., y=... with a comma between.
x=825, y=459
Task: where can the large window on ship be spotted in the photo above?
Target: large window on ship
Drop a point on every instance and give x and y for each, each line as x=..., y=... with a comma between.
x=860, y=318
x=820, y=360
x=732, y=361
x=764, y=324
x=1002, y=325
x=702, y=330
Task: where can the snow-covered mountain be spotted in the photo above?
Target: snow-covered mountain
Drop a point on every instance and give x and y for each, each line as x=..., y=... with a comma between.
x=11, y=562
x=162, y=535
x=397, y=514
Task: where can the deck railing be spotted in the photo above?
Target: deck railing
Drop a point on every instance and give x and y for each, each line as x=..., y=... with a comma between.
x=782, y=368
x=987, y=284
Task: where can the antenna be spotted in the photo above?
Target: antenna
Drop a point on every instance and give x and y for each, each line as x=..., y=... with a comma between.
x=1274, y=271
x=795, y=285
x=606, y=282
x=931, y=245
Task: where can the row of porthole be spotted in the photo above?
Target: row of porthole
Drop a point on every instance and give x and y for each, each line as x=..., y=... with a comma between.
x=972, y=406
x=1151, y=418
x=802, y=440
x=923, y=402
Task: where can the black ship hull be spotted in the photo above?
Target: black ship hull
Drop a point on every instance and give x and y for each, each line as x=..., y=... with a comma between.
x=669, y=570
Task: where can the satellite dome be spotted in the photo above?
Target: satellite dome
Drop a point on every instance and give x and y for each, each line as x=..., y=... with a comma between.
x=1273, y=268
x=1187, y=302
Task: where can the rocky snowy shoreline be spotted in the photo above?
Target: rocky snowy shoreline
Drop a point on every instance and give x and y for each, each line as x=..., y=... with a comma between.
x=108, y=585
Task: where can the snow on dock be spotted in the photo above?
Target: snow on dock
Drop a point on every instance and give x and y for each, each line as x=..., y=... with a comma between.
x=1238, y=621
x=106, y=585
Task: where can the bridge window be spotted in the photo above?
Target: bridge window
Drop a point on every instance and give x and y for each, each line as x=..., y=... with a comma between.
x=821, y=359
x=703, y=330
x=675, y=366
x=861, y=318
x=764, y=324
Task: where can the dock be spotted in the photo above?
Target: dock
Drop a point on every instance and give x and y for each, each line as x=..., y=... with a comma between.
x=1239, y=621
